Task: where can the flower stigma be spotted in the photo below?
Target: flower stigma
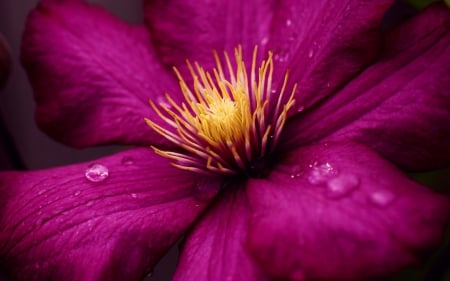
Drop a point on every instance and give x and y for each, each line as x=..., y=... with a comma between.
x=228, y=123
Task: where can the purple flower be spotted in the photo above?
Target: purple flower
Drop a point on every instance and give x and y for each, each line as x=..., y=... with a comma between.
x=316, y=190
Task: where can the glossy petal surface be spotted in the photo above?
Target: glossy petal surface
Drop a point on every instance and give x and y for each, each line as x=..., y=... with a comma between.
x=214, y=250
x=400, y=106
x=340, y=212
x=58, y=225
x=92, y=75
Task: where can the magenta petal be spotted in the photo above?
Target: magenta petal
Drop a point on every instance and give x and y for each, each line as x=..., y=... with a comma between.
x=340, y=212
x=323, y=44
x=400, y=106
x=58, y=225
x=214, y=250
x=92, y=75
x=193, y=29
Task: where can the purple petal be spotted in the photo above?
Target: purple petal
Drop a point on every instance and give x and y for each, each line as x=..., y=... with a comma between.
x=400, y=106
x=322, y=44
x=339, y=212
x=193, y=29
x=92, y=75
x=215, y=248
x=58, y=225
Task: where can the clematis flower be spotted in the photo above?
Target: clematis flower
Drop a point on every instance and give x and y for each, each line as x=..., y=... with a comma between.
x=281, y=161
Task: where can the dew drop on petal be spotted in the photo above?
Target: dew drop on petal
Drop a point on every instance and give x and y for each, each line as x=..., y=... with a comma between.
x=311, y=53
x=149, y=275
x=96, y=173
x=320, y=173
x=382, y=198
x=127, y=160
x=76, y=193
x=300, y=108
x=264, y=40
x=341, y=186
x=296, y=171
x=133, y=195
x=288, y=22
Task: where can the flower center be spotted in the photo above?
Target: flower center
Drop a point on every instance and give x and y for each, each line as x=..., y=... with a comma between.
x=228, y=123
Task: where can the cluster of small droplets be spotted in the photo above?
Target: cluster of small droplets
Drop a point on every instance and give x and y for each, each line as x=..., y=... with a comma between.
x=227, y=122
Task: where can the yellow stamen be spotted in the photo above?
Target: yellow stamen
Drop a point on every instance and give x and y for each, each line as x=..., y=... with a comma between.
x=226, y=122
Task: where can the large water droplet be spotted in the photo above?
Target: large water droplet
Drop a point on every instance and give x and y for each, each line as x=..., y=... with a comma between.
x=321, y=173
x=127, y=160
x=341, y=186
x=96, y=173
x=382, y=198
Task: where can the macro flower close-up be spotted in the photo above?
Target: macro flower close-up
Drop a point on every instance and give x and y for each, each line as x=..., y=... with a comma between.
x=271, y=139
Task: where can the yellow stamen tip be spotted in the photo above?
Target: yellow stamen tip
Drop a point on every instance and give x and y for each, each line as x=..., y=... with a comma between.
x=228, y=120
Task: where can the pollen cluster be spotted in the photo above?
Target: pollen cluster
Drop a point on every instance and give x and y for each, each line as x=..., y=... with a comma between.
x=228, y=120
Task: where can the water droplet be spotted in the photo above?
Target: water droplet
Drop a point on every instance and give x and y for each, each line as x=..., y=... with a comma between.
x=311, y=53
x=288, y=22
x=292, y=37
x=127, y=161
x=300, y=108
x=321, y=173
x=382, y=198
x=41, y=191
x=96, y=173
x=133, y=195
x=328, y=85
x=76, y=193
x=296, y=171
x=341, y=186
x=265, y=40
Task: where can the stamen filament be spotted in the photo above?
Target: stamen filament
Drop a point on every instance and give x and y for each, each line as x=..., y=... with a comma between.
x=227, y=121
